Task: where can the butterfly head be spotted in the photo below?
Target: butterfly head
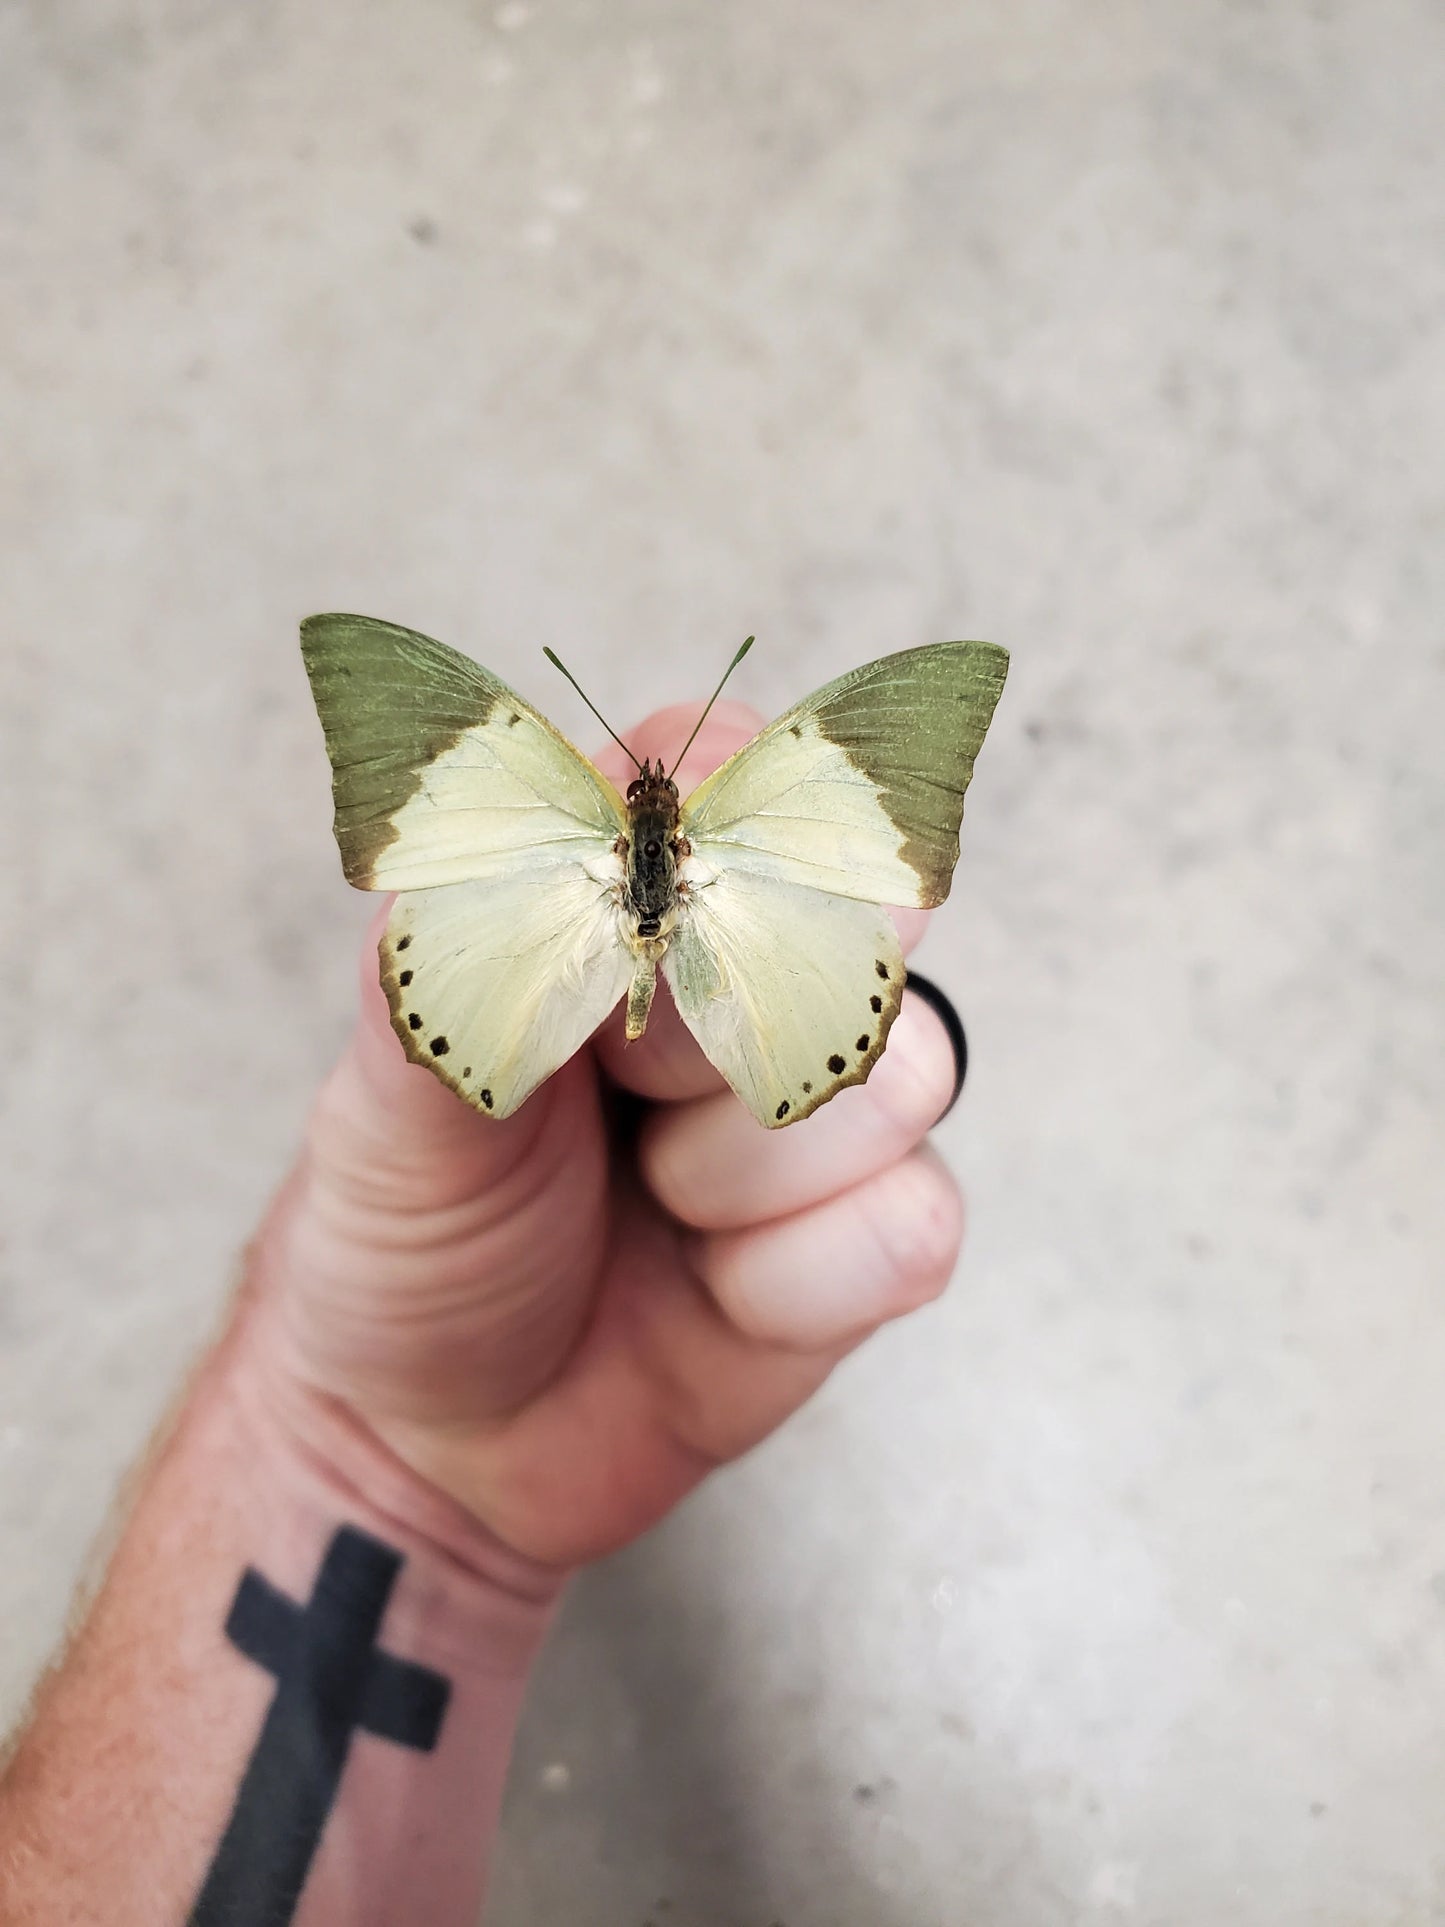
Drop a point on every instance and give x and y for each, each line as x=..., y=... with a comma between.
x=652, y=786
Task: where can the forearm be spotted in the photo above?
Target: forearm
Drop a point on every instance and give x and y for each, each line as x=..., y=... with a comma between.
x=301, y=1677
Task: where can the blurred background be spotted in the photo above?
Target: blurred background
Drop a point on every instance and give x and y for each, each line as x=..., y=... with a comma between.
x=1113, y=1588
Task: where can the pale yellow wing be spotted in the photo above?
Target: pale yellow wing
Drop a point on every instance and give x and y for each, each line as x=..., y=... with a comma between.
x=859, y=789
x=495, y=983
x=789, y=992
x=441, y=773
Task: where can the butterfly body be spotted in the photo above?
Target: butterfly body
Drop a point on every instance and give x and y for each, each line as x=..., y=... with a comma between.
x=653, y=847
x=532, y=897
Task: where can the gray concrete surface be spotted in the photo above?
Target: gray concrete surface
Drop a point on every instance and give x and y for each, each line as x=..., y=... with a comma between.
x=1113, y=1589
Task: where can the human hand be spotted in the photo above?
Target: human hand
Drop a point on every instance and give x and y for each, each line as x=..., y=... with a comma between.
x=566, y=1318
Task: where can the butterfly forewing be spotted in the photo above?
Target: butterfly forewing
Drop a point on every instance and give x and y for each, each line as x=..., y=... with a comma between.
x=441, y=773
x=859, y=789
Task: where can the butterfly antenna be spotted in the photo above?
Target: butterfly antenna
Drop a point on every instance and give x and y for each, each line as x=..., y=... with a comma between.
x=711, y=700
x=557, y=663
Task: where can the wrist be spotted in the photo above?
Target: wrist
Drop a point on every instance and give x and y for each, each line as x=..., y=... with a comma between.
x=390, y=1633
x=314, y=1465
x=301, y=1675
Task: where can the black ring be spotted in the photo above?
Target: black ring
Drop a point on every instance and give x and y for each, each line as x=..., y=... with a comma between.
x=942, y=1006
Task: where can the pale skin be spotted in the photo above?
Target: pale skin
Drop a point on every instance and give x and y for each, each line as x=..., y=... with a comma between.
x=505, y=1348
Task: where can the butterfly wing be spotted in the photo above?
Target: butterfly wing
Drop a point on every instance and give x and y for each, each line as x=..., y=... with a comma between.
x=859, y=789
x=791, y=993
x=503, y=952
x=440, y=773
x=495, y=983
x=782, y=966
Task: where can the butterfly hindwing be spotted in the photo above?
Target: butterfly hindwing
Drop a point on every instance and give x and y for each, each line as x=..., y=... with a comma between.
x=859, y=789
x=495, y=983
x=441, y=773
x=789, y=992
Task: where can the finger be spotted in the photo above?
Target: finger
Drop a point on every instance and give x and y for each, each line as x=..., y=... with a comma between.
x=819, y=1279
x=714, y=1167
x=665, y=1063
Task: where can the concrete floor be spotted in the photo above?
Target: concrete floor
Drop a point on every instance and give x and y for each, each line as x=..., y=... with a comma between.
x=1113, y=1589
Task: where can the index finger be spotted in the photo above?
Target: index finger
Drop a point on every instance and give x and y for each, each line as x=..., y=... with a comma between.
x=666, y=1062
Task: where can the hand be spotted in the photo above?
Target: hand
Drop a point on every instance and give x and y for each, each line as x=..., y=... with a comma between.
x=564, y=1321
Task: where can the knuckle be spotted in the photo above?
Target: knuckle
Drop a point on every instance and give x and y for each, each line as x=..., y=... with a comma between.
x=919, y=1220
x=694, y=1161
x=667, y=1165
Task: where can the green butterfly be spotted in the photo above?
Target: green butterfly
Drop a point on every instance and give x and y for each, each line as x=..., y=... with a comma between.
x=533, y=897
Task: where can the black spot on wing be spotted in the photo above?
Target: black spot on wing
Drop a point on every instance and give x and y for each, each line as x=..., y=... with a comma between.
x=403, y=942
x=439, y=1047
x=404, y=979
x=862, y=1043
x=882, y=969
x=466, y=1070
x=836, y=1064
x=783, y=1109
x=486, y=1097
x=875, y=1004
x=807, y=1090
x=414, y=1021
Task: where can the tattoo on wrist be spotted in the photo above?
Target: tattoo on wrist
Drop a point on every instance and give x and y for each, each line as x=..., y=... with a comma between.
x=332, y=1681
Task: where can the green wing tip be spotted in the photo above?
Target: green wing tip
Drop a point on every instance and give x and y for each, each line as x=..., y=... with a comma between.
x=315, y=627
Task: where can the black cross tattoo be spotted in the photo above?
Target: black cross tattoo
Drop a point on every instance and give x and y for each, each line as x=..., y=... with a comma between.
x=331, y=1680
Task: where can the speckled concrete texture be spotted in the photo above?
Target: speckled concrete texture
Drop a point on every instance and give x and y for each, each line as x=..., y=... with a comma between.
x=1112, y=1590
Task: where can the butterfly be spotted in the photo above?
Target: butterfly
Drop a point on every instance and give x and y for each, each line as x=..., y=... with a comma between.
x=532, y=897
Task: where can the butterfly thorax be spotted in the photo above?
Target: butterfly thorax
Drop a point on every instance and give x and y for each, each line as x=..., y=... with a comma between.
x=653, y=851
